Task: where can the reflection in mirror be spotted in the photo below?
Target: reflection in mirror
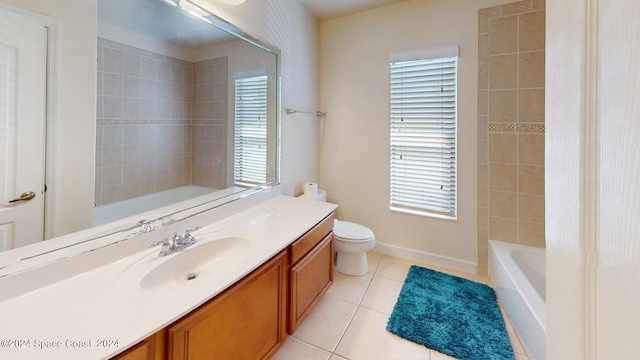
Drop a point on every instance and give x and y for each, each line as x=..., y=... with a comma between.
x=186, y=120
x=165, y=92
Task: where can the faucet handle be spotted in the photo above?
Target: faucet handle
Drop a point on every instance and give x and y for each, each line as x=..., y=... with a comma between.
x=188, y=231
x=145, y=226
x=188, y=237
x=166, y=246
x=160, y=242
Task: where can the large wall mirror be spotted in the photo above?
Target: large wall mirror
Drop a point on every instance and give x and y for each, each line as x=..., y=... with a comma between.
x=187, y=117
x=183, y=108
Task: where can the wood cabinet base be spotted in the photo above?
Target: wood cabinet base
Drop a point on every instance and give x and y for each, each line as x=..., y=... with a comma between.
x=151, y=348
x=245, y=322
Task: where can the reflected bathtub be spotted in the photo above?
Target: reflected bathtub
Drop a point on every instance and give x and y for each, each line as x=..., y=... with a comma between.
x=122, y=209
x=518, y=275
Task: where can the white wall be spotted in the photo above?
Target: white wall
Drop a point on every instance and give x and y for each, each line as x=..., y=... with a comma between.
x=138, y=40
x=354, y=78
x=565, y=68
x=617, y=278
x=73, y=130
x=287, y=25
x=592, y=169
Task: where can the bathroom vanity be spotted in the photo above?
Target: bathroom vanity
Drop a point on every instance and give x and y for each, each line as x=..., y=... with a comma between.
x=249, y=320
x=254, y=275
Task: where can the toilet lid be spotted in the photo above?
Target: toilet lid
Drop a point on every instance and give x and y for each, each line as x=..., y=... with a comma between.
x=350, y=231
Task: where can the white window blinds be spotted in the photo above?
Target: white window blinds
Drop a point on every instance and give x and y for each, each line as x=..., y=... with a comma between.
x=250, y=144
x=423, y=136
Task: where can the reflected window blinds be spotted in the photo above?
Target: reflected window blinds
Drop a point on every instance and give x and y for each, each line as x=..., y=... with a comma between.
x=250, y=138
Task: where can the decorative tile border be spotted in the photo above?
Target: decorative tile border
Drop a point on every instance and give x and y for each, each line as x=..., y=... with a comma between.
x=519, y=128
x=502, y=127
x=530, y=128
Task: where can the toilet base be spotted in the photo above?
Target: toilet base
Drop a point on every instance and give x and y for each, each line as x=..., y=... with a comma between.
x=351, y=263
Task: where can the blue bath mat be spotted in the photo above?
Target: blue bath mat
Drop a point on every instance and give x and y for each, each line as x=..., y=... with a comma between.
x=452, y=315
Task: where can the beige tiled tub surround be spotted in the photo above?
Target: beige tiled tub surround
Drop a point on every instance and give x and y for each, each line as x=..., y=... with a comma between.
x=511, y=125
x=209, y=124
x=161, y=122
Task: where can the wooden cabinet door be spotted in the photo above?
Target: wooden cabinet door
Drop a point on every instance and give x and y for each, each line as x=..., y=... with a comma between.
x=151, y=348
x=310, y=279
x=247, y=321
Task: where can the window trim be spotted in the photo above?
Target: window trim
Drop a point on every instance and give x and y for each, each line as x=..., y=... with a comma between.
x=414, y=55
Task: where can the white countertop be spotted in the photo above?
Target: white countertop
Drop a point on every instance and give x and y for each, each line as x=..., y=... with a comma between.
x=100, y=313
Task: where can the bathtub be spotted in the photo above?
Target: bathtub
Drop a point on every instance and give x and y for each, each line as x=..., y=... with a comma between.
x=115, y=211
x=518, y=275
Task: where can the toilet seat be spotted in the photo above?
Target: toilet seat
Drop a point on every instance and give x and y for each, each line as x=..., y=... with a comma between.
x=351, y=232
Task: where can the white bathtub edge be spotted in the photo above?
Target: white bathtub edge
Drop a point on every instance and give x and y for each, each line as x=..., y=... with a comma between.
x=530, y=329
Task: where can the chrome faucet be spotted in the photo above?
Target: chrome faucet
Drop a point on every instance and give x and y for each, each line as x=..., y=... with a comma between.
x=145, y=226
x=177, y=243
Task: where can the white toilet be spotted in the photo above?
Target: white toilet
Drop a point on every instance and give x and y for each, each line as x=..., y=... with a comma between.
x=350, y=244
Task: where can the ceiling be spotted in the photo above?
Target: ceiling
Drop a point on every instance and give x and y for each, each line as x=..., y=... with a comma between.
x=325, y=9
x=176, y=27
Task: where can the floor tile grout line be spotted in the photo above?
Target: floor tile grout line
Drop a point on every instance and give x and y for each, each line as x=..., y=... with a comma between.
x=313, y=345
x=344, y=331
x=360, y=306
x=509, y=325
x=354, y=313
x=357, y=308
x=364, y=294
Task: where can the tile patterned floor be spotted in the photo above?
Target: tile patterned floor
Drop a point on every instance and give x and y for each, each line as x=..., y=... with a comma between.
x=350, y=320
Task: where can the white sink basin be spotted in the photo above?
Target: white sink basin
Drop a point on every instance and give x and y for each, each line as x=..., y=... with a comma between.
x=210, y=257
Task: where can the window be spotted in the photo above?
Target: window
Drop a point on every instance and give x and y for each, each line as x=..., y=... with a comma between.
x=250, y=144
x=423, y=133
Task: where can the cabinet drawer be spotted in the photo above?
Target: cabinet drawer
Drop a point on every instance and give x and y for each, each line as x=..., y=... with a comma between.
x=307, y=241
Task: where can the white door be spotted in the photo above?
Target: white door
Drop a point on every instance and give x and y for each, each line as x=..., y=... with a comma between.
x=23, y=49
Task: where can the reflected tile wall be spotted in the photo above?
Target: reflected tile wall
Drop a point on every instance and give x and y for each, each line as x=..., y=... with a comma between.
x=145, y=114
x=511, y=51
x=209, y=123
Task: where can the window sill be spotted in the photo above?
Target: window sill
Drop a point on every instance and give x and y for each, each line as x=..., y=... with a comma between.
x=424, y=213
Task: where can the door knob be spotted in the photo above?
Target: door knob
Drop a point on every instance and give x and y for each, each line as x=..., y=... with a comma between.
x=25, y=196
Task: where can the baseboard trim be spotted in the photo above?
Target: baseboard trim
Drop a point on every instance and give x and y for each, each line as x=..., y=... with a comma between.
x=424, y=257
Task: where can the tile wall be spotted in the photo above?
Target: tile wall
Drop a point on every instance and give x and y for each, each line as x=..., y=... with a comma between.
x=511, y=53
x=210, y=123
x=145, y=124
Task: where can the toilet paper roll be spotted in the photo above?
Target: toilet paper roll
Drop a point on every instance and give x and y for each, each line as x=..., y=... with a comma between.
x=310, y=189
